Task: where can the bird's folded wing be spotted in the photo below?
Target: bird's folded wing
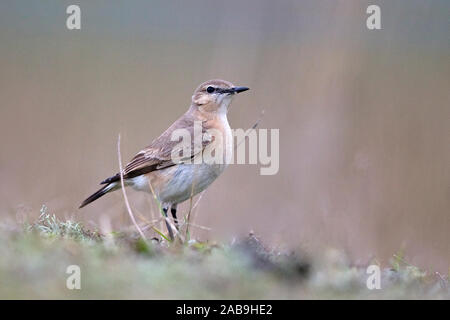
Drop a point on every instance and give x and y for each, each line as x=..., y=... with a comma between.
x=158, y=154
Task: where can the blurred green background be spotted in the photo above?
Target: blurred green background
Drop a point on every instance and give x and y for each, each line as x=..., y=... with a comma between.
x=363, y=115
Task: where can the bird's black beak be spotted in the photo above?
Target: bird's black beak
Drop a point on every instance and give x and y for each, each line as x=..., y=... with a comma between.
x=239, y=89
x=232, y=90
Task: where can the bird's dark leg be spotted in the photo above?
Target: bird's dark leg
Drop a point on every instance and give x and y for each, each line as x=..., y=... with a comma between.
x=173, y=210
x=169, y=228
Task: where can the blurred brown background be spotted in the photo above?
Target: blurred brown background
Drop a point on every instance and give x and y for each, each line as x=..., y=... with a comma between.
x=363, y=115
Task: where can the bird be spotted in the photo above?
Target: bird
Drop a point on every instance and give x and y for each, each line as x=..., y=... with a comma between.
x=154, y=169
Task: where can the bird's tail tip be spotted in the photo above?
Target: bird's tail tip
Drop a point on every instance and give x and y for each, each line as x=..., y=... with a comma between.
x=97, y=195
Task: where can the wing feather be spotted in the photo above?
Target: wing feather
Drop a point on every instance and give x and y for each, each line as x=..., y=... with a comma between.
x=158, y=154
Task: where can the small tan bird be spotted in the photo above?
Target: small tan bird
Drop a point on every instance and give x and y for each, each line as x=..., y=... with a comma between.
x=176, y=181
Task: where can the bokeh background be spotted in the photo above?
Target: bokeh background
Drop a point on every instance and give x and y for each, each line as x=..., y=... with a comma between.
x=363, y=115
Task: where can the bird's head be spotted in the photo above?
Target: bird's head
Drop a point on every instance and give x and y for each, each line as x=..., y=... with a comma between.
x=215, y=95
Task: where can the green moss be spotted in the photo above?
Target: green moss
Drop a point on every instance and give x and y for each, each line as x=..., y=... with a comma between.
x=34, y=262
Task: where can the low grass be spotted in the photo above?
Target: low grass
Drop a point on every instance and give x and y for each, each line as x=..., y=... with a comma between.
x=35, y=257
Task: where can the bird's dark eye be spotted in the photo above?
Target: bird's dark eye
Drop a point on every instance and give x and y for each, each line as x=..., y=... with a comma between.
x=210, y=89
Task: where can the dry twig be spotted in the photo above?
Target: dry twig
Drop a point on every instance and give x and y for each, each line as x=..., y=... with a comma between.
x=125, y=193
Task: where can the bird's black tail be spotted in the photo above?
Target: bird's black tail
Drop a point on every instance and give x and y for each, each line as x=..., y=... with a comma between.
x=108, y=188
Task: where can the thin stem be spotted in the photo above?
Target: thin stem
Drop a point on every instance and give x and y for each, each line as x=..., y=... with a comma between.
x=125, y=193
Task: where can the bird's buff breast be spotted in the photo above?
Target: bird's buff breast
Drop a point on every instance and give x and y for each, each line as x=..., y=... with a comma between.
x=187, y=180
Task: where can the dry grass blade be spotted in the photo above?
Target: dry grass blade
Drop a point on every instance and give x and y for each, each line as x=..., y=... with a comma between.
x=192, y=207
x=200, y=227
x=188, y=217
x=172, y=226
x=125, y=193
x=253, y=127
